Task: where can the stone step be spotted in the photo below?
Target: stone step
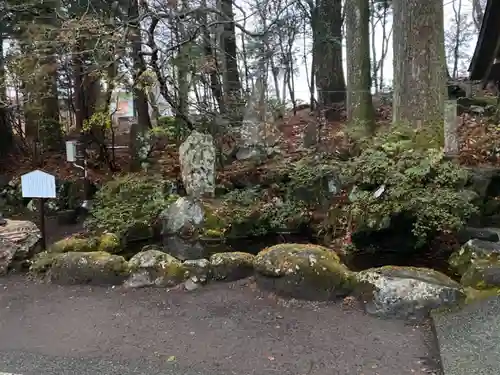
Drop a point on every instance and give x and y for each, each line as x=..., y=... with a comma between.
x=469, y=339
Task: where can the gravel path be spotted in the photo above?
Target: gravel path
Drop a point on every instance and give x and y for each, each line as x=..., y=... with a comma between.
x=224, y=328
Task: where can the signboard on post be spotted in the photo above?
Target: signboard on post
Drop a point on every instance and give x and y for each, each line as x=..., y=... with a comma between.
x=38, y=184
x=41, y=185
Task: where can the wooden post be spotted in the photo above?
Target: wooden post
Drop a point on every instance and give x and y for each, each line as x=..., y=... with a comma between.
x=43, y=240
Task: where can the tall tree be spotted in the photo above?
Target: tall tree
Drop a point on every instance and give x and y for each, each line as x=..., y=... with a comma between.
x=419, y=63
x=5, y=126
x=326, y=22
x=231, y=79
x=359, y=97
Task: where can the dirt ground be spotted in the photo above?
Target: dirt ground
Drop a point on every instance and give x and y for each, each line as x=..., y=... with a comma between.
x=223, y=328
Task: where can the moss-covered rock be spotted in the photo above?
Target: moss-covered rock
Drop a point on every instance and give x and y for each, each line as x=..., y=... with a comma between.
x=110, y=243
x=198, y=268
x=74, y=243
x=406, y=292
x=238, y=214
x=482, y=274
x=42, y=263
x=231, y=266
x=461, y=260
x=155, y=268
x=96, y=267
x=303, y=271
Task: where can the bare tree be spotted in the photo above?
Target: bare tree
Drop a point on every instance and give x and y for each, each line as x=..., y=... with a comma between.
x=458, y=38
x=478, y=7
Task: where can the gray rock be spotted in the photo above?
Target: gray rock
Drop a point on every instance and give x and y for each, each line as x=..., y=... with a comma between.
x=461, y=260
x=138, y=279
x=184, y=249
x=197, y=157
x=484, y=234
x=482, y=274
x=19, y=243
x=184, y=215
x=155, y=268
x=481, y=178
x=231, y=266
x=192, y=284
x=406, y=292
x=199, y=268
x=7, y=252
x=97, y=267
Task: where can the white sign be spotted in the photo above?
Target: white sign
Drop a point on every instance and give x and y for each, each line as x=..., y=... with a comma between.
x=70, y=152
x=38, y=184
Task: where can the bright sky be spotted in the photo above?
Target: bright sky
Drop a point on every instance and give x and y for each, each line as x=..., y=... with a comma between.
x=301, y=80
x=301, y=85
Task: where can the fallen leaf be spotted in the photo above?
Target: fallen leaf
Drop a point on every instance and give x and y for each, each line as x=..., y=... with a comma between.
x=171, y=358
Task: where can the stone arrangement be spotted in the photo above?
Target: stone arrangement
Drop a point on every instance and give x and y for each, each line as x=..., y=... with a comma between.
x=301, y=271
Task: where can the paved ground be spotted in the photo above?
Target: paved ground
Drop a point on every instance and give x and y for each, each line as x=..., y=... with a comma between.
x=470, y=339
x=223, y=329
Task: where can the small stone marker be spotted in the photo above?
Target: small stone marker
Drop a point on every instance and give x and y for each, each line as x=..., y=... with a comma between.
x=41, y=185
x=451, y=138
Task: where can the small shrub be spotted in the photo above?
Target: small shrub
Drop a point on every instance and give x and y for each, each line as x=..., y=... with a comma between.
x=128, y=201
x=394, y=175
x=50, y=133
x=172, y=128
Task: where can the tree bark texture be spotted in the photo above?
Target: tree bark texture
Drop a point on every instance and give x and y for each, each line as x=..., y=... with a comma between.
x=359, y=98
x=327, y=50
x=419, y=63
x=231, y=80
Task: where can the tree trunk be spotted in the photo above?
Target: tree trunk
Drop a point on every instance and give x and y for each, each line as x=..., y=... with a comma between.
x=327, y=50
x=140, y=97
x=359, y=97
x=6, y=138
x=419, y=64
x=231, y=83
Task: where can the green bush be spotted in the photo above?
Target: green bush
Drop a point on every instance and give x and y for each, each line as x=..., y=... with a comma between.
x=394, y=175
x=129, y=201
x=171, y=128
x=50, y=133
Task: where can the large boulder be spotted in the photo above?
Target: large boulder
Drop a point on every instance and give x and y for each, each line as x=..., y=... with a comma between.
x=303, y=271
x=18, y=243
x=96, y=267
x=197, y=157
x=152, y=267
x=231, y=266
x=482, y=274
x=406, y=292
x=462, y=259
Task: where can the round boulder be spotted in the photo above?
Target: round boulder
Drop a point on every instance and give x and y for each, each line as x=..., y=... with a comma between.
x=303, y=271
x=406, y=292
x=231, y=266
x=98, y=268
x=155, y=268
